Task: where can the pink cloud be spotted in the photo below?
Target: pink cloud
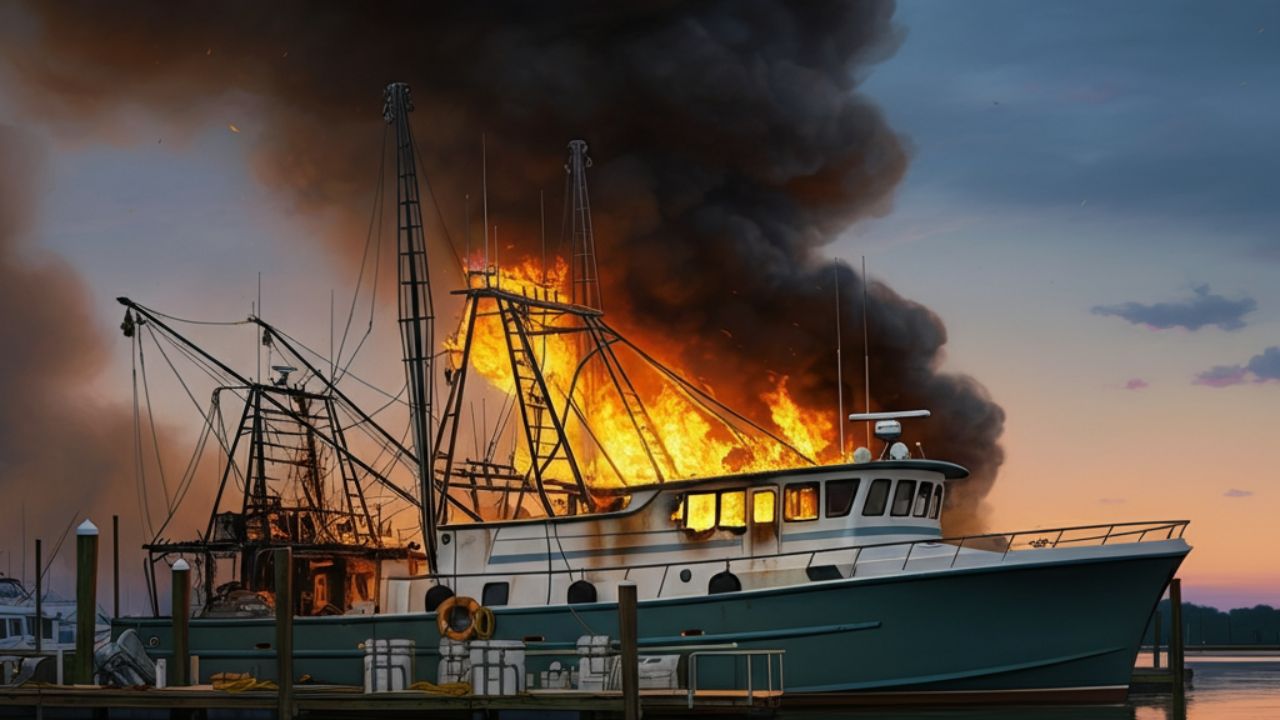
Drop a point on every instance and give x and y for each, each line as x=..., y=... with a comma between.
x=1136, y=384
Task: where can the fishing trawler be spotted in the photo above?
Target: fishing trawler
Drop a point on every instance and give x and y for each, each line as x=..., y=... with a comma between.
x=616, y=469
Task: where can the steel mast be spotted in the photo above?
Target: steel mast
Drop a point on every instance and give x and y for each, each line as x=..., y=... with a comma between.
x=584, y=271
x=417, y=315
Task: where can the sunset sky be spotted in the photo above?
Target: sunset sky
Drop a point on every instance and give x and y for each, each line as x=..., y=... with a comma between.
x=1090, y=207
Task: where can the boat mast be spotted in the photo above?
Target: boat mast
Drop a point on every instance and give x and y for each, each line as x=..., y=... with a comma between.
x=585, y=273
x=417, y=316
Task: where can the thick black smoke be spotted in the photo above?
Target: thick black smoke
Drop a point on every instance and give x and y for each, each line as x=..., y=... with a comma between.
x=730, y=141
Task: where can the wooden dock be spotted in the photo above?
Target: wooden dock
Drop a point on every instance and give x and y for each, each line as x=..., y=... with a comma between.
x=341, y=701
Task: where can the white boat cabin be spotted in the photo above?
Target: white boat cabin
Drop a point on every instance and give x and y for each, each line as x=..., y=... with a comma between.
x=693, y=537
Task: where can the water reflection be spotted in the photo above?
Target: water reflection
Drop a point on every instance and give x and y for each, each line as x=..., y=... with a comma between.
x=1225, y=688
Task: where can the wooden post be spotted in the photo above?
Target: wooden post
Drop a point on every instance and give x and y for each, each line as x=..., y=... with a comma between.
x=86, y=600
x=1155, y=644
x=1176, y=657
x=180, y=665
x=628, y=637
x=115, y=565
x=39, y=632
x=282, y=560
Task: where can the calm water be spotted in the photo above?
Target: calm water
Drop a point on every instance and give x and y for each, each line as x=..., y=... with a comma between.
x=1225, y=688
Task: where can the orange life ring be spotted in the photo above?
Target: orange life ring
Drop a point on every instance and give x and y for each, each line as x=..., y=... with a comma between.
x=445, y=613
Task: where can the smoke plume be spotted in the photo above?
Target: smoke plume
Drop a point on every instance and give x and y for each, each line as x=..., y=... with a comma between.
x=730, y=143
x=64, y=454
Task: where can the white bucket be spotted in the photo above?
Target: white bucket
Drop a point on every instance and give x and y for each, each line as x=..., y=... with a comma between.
x=388, y=664
x=497, y=667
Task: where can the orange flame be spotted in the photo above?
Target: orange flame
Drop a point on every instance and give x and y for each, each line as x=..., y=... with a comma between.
x=680, y=440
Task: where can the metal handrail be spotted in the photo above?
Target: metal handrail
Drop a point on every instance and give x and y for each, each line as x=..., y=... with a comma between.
x=1140, y=529
x=748, y=654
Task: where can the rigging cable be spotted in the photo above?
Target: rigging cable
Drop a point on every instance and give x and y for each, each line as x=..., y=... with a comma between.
x=140, y=475
x=375, y=223
x=151, y=420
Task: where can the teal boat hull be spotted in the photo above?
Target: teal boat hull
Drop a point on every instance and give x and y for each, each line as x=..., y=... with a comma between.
x=1065, y=629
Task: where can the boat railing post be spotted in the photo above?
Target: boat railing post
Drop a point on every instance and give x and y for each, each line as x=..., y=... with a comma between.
x=1110, y=529
x=1059, y=538
x=857, y=555
x=86, y=601
x=910, y=548
x=1008, y=546
x=749, y=684
x=956, y=556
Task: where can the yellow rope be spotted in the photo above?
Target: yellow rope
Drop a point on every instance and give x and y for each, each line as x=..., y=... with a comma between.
x=456, y=688
x=243, y=684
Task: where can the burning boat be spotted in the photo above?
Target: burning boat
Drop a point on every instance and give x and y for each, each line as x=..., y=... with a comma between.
x=607, y=467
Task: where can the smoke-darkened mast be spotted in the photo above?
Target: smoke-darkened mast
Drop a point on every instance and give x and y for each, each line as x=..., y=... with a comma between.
x=584, y=272
x=417, y=316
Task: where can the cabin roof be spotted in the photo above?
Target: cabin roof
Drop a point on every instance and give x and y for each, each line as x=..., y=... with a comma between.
x=949, y=470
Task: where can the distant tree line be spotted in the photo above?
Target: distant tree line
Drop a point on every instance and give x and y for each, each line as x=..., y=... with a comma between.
x=1203, y=625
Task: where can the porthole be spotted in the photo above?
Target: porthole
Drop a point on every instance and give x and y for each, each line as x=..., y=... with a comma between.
x=686, y=575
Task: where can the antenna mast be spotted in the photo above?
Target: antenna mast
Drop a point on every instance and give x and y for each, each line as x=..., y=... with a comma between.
x=866, y=349
x=417, y=316
x=584, y=272
x=840, y=417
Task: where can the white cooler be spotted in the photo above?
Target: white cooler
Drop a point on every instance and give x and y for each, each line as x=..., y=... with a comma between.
x=497, y=667
x=388, y=664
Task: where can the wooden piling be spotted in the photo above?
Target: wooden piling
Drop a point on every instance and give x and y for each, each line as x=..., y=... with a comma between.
x=180, y=665
x=86, y=601
x=39, y=631
x=628, y=637
x=1155, y=644
x=1177, y=659
x=115, y=565
x=282, y=562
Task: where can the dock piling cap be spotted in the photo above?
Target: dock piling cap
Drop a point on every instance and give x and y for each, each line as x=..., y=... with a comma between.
x=181, y=566
x=87, y=528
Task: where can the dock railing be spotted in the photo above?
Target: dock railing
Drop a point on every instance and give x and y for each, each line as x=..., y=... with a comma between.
x=769, y=655
x=984, y=549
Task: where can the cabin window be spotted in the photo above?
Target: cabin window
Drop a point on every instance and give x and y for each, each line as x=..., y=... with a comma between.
x=700, y=511
x=937, y=502
x=733, y=510
x=902, y=498
x=15, y=627
x=764, y=504
x=495, y=594
x=922, y=499
x=800, y=502
x=877, y=497
x=840, y=494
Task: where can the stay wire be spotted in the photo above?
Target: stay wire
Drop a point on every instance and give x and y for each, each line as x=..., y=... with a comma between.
x=375, y=226
x=151, y=420
x=144, y=505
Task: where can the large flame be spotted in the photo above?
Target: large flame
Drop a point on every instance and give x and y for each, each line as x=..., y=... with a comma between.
x=680, y=438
